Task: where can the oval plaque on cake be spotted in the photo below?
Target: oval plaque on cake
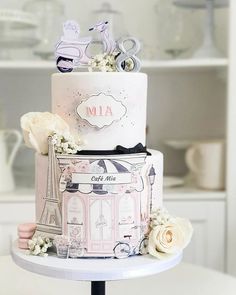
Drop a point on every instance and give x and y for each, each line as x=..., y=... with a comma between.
x=101, y=110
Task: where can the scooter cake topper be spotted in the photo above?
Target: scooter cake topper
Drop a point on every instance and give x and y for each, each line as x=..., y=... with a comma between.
x=72, y=51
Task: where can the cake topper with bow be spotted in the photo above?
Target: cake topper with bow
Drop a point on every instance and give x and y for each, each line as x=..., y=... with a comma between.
x=72, y=51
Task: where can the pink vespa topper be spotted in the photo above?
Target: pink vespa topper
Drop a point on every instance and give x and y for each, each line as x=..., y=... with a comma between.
x=72, y=50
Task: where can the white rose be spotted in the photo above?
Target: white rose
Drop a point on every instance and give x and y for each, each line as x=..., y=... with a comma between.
x=169, y=238
x=38, y=126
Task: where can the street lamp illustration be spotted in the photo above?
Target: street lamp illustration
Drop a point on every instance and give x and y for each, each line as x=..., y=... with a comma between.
x=151, y=176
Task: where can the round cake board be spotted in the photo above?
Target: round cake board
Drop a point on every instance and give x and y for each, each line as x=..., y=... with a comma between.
x=97, y=270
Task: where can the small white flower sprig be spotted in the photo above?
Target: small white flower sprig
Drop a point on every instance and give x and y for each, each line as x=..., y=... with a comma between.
x=65, y=144
x=103, y=62
x=107, y=63
x=159, y=216
x=168, y=235
x=39, y=246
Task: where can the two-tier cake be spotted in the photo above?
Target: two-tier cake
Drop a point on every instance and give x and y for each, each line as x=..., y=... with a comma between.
x=99, y=193
x=105, y=192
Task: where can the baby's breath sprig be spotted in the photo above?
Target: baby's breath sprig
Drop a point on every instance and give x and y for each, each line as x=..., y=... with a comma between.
x=39, y=246
x=65, y=144
x=103, y=62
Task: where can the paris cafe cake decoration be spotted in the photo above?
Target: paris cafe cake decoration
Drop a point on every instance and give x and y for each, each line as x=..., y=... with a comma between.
x=96, y=202
x=166, y=235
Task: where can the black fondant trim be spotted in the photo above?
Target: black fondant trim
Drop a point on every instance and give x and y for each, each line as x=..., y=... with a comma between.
x=120, y=150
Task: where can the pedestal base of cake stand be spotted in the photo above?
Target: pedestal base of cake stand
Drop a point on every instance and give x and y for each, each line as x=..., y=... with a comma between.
x=97, y=271
x=98, y=288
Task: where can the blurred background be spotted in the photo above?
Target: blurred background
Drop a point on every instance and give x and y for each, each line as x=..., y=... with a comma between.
x=191, y=108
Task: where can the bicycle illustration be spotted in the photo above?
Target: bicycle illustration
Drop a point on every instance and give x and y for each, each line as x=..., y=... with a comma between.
x=124, y=249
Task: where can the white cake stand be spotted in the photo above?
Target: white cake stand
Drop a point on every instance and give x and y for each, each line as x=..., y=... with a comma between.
x=98, y=271
x=208, y=48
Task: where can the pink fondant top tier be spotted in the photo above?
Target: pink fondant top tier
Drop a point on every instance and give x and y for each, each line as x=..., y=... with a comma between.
x=105, y=109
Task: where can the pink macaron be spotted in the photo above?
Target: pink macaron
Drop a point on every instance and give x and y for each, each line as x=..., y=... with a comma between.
x=23, y=243
x=25, y=234
x=27, y=227
x=26, y=230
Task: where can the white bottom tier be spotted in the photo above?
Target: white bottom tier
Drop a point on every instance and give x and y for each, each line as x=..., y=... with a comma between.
x=101, y=203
